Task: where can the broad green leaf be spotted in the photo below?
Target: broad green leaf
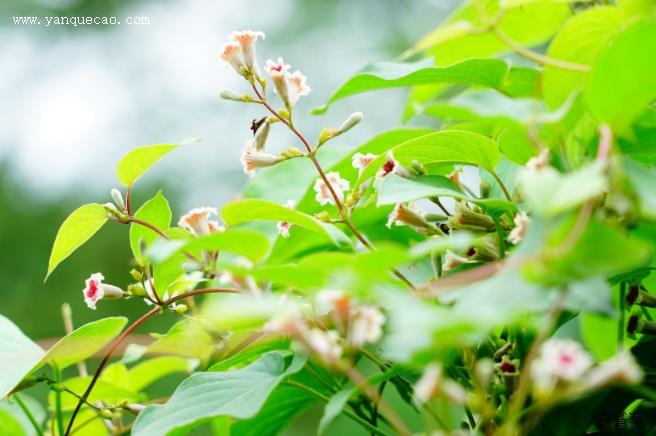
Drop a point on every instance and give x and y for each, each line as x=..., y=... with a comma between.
x=18, y=355
x=251, y=354
x=580, y=41
x=169, y=272
x=134, y=164
x=621, y=82
x=10, y=424
x=245, y=242
x=104, y=391
x=155, y=211
x=395, y=189
x=446, y=146
x=456, y=241
x=644, y=181
x=239, y=394
x=14, y=422
x=483, y=72
x=244, y=312
x=185, y=338
x=527, y=24
x=601, y=250
x=549, y=192
x=334, y=408
x=149, y=371
x=599, y=334
x=84, y=341
x=248, y=210
x=76, y=229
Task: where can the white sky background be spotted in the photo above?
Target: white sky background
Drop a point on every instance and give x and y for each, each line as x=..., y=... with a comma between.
x=73, y=101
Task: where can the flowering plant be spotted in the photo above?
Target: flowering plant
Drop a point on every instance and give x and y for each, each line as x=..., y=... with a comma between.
x=488, y=274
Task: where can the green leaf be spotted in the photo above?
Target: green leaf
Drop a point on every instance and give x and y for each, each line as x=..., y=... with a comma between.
x=18, y=355
x=599, y=334
x=549, y=192
x=155, y=211
x=334, y=408
x=248, y=210
x=643, y=180
x=185, y=339
x=103, y=391
x=483, y=72
x=231, y=240
x=621, y=82
x=239, y=394
x=13, y=420
x=76, y=229
x=134, y=164
x=395, y=189
x=10, y=423
x=446, y=146
x=84, y=341
x=580, y=41
x=149, y=371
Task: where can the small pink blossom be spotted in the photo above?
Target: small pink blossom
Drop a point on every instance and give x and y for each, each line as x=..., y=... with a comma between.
x=95, y=290
x=452, y=260
x=366, y=325
x=296, y=86
x=283, y=226
x=521, y=224
x=392, y=166
x=406, y=214
x=338, y=184
x=246, y=40
x=560, y=360
x=360, y=161
x=197, y=221
x=231, y=54
x=540, y=161
x=252, y=159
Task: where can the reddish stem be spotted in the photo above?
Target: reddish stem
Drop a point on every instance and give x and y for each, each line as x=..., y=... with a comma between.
x=160, y=233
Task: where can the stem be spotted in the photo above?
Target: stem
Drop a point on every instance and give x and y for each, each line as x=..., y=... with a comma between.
x=535, y=56
x=128, y=195
x=29, y=415
x=58, y=409
x=160, y=233
x=503, y=187
x=200, y=292
x=104, y=361
x=363, y=383
x=338, y=202
x=620, y=321
x=346, y=412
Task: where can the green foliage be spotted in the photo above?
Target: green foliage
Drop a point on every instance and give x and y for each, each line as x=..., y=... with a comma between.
x=18, y=356
x=76, y=229
x=155, y=211
x=134, y=164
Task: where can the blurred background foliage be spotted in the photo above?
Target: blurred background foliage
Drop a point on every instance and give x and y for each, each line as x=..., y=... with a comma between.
x=75, y=99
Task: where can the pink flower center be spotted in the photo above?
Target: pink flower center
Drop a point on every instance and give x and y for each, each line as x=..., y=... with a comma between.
x=388, y=167
x=277, y=68
x=566, y=359
x=92, y=290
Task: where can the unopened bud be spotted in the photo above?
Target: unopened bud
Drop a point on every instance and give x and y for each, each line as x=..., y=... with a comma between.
x=326, y=134
x=322, y=216
x=353, y=120
x=417, y=167
x=640, y=297
x=290, y=152
x=228, y=94
x=486, y=249
x=57, y=387
x=105, y=414
x=485, y=189
x=136, y=274
x=470, y=218
x=181, y=308
x=636, y=325
x=118, y=198
x=260, y=136
x=136, y=290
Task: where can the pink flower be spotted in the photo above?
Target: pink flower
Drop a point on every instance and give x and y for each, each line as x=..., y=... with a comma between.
x=338, y=184
x=360, y=161
x=284, y=226
x=197, y=221
x=231, y=54
x=296, y=87
x=402, y=214
x=246, y=40
x=560, y=360
x=393, y=166
x=252, y=159
x=96, y=290
x=521, y=224
x=452, y=260
x=366, y=325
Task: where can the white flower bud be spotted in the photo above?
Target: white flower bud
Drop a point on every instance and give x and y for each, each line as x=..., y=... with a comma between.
x=353, y=120
x=228, y=94
x=251, y=159
x=118, y=198
x=261, y=134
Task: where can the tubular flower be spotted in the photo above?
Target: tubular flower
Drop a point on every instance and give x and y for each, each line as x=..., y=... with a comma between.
x=360, y=161
x=246, y=40
x=277, y=70
x=402, y=214
x=452, y=260
x=325, y=344
x=338, y=184
x=560, y=360
x=197, y=221
x=366, y=325
x=251, y=159
x=392, y=166
x=231, y=55
x=521, y=224
x=283, y=226
x=95, y=290
x=296, y=86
